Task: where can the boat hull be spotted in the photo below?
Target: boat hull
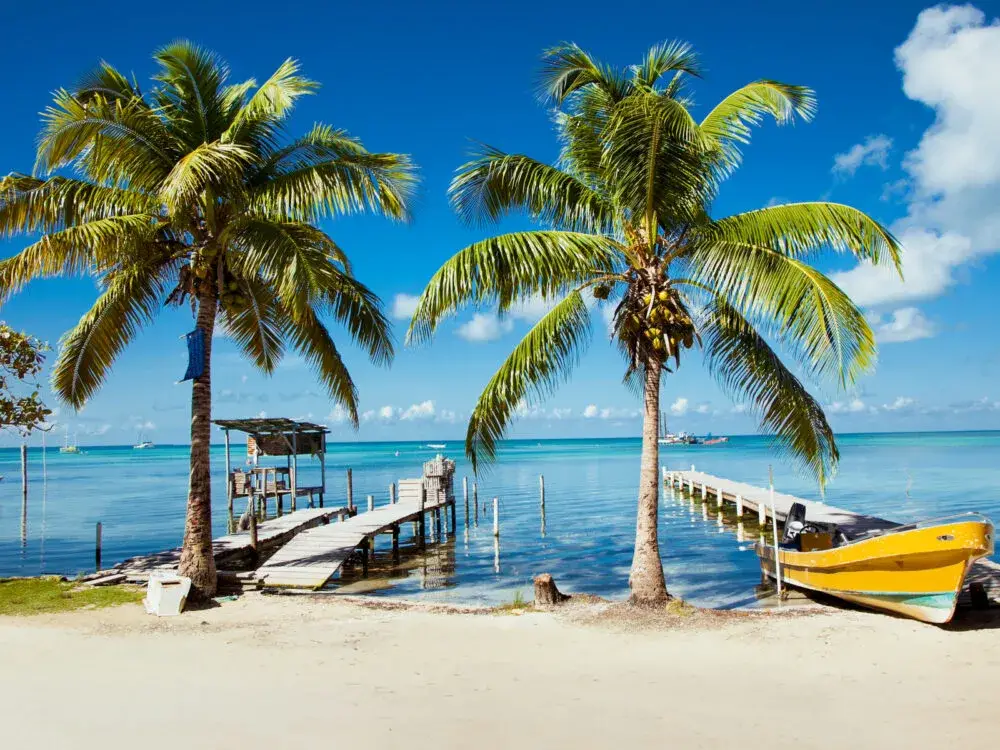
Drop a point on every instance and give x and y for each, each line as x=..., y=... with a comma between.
x=916, y=572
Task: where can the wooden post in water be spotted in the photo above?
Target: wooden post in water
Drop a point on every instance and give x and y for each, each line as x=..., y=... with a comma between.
x=392, y=493
x=465, y=496
x=475, y=499
x=24, y=493
x=97, y=548
x=229, y=478
x=371, y=503
x=739, y=506
x=496, y=517
x=322, y=468
x=294, y=470
x=365, y=546
x=541, y=491
x=395, y=542
x=718, y=497
x=453, y=520
x=350, y=489
x=761, y=514
x=421, y=541
x=704, y=491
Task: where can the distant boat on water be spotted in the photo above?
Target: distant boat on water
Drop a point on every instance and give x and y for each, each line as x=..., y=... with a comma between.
x=141, y=444
x=669, y=438
x=67, y=448
x=714, y=440
x=437, y=445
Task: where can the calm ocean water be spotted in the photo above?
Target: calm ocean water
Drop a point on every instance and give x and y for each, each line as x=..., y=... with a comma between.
x=591, y=486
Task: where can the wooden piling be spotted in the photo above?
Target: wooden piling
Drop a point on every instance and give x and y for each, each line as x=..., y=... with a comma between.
x=229, y=477
x=392, y=493
x=465, y=496
x=371, y=503
x=704, y=492
x=475, y=500
x=395, y=542
x=24, y=492
x=421, y=521
x=761, y=513
x=496, y=517
x=253, y=532
x=718, y=497
x=453, y=520
x=365, y=546
x=541, y=491
x=350, y=489
x=739, y=506
x=97, y=547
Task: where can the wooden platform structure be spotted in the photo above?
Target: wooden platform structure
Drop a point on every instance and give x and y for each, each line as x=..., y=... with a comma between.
x=234, y=548
x=312, y=558
x=282, y=437
x=758, y=499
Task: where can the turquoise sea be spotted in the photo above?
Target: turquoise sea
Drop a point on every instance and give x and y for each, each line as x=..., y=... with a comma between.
x=139, y=498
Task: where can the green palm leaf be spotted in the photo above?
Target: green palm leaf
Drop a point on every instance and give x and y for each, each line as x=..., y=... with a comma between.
x=748, y=369
x=544, y=358
x=509, y=268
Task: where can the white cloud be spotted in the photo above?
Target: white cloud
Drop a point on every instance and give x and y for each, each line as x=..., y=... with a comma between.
x=902, y=403
x=484, y=327
x=404, y=305
x=740, y=409
x=368, y=416
x=532, y=309
x=423, y=410
x=337, y=415
x=591, y=411
x=854, y=406
x=563, y=413
x=905, y=324
x=387, y=412
x=524, y=411
x=874, y=152
x=679, y=407
x=609, y=412
x=704, y=408
x=951, y=63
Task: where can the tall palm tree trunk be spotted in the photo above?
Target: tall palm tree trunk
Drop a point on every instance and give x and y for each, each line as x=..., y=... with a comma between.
x=197, y=560
x=646, y=579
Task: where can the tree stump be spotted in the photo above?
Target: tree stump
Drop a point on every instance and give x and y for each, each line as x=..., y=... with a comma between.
x=546, y=593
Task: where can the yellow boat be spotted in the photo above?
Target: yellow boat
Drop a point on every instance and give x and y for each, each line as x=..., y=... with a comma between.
x=915, y=570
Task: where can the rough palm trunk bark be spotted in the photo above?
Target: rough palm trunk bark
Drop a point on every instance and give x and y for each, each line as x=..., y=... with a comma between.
x=197, y=560
x=646, y=580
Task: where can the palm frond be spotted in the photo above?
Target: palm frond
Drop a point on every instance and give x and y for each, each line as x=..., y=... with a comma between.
x=543, y=358
x=747, y=368
x=359, y=310
x=192, y=81
x=729, y=122
x=130, y=300
x=800, y=229
x=107, y=83
x=256, y=326
x=567, y=69
x=802, y=308
x=255, y=120
x=495, y=183
x=312, y=340
x=508, y=268
x=663, y=58
x=217, y=166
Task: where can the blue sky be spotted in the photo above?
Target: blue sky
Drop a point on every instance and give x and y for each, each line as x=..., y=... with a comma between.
x=909, y=97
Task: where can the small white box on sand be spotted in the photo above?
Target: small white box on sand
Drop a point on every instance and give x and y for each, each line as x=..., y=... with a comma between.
x=166, y=594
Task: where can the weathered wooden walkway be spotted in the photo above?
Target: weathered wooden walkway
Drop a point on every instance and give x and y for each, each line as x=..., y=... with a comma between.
x=312, y=558
x=758, y=500
x=270, y=534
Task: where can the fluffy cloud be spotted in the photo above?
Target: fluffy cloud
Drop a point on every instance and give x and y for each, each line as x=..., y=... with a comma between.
x=854, y=406
x=874, y=152
x=680, y=407
x=610, y=412
x=484, y=327
x=905, y=324
x=902, y=403
x=591, y=411
x=524, y=411
x=404, y=305
x=950, y=62
x=423, y=410
x=337, y=415
x=386, y=412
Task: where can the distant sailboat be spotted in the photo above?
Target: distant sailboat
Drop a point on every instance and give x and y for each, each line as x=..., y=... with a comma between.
x=141, y=444
x=669, y=438
x=67, y=448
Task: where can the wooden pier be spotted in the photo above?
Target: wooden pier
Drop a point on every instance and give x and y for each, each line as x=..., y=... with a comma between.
x=984, y=572
x=233, y=547
x=312, y=558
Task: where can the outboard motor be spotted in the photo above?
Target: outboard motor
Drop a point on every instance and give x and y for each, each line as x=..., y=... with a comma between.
x=795, y=521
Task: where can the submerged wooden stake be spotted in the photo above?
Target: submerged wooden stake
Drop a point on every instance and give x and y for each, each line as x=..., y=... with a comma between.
x=496, y=516
x=371, y=503
x=392, y=493
x=97, y=549
x=465, y=496
x=350, y=489
x=739, y=505
x=475, y=499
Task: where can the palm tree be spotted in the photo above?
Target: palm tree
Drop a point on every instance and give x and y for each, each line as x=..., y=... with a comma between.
x=193, y=192
x=626, y=220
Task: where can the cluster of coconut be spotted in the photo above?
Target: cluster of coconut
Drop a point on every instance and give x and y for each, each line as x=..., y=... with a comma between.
x=229, y=290
x=662, y=323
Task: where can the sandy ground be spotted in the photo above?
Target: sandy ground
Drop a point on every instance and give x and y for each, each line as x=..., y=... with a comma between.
x=270, y=672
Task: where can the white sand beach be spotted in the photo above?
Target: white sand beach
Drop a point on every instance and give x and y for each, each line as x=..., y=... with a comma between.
x=268, y=672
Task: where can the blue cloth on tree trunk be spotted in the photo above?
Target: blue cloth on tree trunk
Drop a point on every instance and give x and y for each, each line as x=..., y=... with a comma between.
x=196, y=354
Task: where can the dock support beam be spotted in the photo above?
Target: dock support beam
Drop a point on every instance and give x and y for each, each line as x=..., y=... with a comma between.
x=395, y=542
x=453, y=524
x=475, y=499
x=739, y=506
x=421, y=529
x=229, y=478
x=350, y=490
x=496, y=517
x=465, y=496
x=97, y=549
x=392, y=493
x=371, y=503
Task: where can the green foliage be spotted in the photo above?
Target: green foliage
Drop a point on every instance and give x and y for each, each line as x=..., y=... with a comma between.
x=47, y=595
x=194, y=191
x=21, y=359
x=627, y=216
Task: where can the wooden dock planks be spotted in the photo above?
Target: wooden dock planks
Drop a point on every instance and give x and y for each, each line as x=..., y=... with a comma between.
x=984, y=572
x=270, y=534
x=311, y=559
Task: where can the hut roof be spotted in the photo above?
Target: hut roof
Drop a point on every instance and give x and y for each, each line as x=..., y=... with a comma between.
x=270, y=426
